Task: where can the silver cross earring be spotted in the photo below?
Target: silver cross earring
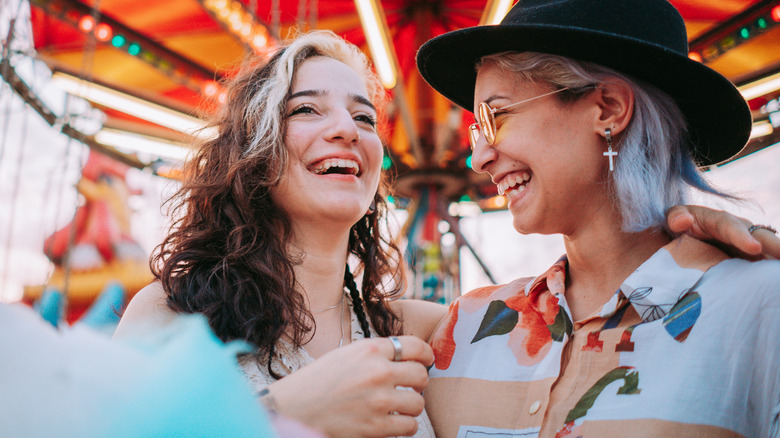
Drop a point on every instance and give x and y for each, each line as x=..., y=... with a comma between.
x=609, y=153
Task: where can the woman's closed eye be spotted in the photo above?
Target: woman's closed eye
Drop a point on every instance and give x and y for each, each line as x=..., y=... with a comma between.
x=502, y=116
x=368, y=119
x=365, y=118
x=498, y=114
x=301, y=109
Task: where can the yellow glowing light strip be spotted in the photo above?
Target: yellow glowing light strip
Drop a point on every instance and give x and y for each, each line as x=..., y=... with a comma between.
x=132, y=105
x=760, y=87
x=372, y=18
x=495, y=11
x=241, y=22
x=761, y=129
x=129, y=141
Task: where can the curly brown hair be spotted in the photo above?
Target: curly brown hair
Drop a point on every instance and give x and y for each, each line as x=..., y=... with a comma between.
x=226, y=256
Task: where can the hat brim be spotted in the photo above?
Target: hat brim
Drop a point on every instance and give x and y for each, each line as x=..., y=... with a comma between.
x=718, y=118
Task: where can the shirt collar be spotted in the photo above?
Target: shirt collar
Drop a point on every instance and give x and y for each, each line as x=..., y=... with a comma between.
x=654, y=287
x=554, y=279
x=659, y=283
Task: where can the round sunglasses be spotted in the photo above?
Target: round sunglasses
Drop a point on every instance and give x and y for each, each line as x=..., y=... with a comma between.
x=486, y=119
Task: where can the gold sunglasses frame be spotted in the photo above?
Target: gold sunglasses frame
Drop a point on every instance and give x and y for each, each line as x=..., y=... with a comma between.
x=484, y=110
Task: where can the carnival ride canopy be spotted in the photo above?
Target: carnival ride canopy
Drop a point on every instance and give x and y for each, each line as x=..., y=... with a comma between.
x=168, y=58
x=173, y=53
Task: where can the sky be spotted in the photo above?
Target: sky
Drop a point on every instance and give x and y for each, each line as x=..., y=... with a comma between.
x=39, y=169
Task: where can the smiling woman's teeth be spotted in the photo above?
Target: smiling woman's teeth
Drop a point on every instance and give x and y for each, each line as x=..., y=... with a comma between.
x=518, y=189
x=513, y=181
x=336, y=165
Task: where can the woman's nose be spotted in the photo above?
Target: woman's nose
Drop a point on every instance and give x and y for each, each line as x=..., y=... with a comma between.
x=343, y=127
x=482, y=155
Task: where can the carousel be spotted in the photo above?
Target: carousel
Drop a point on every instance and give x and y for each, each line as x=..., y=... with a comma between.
x=151, y=72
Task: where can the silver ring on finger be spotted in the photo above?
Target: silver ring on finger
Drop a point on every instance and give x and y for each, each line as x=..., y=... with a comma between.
x=397, y=352
x=762, y=227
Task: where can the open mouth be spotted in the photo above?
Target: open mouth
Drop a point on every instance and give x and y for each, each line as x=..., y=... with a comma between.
x=335, y=166
x=514, y=181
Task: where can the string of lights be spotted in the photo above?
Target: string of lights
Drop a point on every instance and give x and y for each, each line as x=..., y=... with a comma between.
x=737, y=30
x=30, y=98
x=9, y=75
x=111, y=32
x=241, y=23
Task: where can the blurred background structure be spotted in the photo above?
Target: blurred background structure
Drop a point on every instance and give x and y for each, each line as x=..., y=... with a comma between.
x=100, y=100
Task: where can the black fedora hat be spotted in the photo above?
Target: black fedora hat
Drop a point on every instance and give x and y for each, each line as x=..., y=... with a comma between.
x=645, y=39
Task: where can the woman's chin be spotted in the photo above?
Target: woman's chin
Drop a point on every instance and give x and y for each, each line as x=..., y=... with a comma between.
x=345, y=216
x=522, y=230
x=524, y=224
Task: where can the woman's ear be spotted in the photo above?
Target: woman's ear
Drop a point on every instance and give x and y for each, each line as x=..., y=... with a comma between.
x=615, y=99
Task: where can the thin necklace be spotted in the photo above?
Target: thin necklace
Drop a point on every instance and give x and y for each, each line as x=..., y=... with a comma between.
x=341, y=318
x=331, y=307
x=341, y=321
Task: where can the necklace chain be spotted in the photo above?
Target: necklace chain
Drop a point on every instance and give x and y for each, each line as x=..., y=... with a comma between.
x=333, y=306
x=341, y=318
x=341, y=321
x=341, y=325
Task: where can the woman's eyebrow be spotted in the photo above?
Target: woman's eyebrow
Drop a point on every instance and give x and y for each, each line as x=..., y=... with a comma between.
x=494, y=97
x=308, y=93
x=488, y=101
x=317, y=93
x=361, y=99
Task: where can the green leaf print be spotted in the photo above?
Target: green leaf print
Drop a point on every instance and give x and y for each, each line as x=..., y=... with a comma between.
x=629, y=375
x=498, y=320
x=562, y=325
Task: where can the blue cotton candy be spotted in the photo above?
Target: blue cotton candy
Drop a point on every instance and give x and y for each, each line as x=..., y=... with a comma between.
x=74, y=382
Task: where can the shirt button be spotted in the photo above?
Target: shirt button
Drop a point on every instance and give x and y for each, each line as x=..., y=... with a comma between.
x=534, y=408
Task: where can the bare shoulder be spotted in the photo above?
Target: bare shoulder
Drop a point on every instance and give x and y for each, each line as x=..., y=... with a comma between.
x=147, y=309
x=419, y=317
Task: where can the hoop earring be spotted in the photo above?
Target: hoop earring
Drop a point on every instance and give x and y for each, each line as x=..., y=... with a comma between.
x=609, y=153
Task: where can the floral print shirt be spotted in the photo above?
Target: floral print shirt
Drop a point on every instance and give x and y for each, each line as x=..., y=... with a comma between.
x=689, y=346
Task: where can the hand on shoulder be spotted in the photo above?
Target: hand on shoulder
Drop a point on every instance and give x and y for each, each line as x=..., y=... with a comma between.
x=728, y=232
